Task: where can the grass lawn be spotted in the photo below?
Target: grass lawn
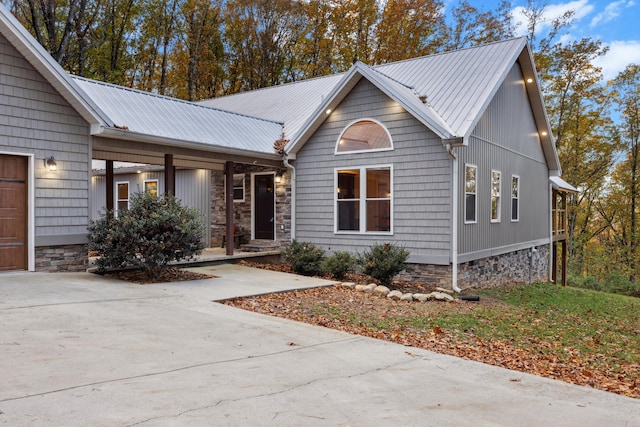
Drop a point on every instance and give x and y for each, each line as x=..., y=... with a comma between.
x=575, y=335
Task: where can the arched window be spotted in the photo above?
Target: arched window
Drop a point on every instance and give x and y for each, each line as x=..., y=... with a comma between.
x=364, y=135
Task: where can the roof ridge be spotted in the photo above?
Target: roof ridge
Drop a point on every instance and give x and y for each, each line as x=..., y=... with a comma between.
x=389, y=77
x=169, y=98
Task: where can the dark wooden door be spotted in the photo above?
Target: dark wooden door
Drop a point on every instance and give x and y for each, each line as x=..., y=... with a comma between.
x=264, y=216
x=13, y=212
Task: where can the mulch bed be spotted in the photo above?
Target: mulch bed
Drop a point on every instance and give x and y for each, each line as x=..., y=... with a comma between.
x=171, y=274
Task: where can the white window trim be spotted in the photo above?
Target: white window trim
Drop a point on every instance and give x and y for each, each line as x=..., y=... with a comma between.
x=118, y=199
x=363, y=200
x=499, y=196
x=144, y=184
x=517, y=198
x=244, y=187
x=475, y=221
x=363, y=151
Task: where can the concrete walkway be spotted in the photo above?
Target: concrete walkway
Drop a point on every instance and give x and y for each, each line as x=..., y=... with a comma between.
x=79, y=349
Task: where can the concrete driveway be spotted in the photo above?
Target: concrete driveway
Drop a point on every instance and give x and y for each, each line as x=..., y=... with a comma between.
x=79, y=349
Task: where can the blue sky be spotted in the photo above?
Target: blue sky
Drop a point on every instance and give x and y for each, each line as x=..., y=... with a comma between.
x=615, y=23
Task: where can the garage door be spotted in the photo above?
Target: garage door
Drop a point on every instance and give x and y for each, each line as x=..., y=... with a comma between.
x=13, y=212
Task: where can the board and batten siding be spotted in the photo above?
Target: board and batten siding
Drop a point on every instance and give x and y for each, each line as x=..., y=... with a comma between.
x=421, y=167
x=193, y=188
x=505, y=139
x=36, y=120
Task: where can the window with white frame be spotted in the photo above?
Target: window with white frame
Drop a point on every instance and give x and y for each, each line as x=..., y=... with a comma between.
x=151, y=186
x=363, y=200
x=470, y=193
x=364, y=135
x=238, y=187
x=495, y=196
x=515, y=198
x=122, y=196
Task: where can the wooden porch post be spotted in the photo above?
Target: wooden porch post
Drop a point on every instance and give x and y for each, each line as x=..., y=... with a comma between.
x=228, y=190
x=564, y=262
x=554, y=262
x=109, y=186
x=169, y=175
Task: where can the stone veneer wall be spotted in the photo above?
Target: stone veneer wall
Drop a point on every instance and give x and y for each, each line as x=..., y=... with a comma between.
x=504, y=269
x=439, y=275
x=242, y=210
x=61, y=258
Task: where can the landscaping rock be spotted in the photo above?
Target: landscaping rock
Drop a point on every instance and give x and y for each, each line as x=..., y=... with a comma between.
x=361, y=288
x=421, y=297
x=394, y=295
x=381, y=290
x=440, y=296
x=406, y=297
x=349, y=285
x=448, y=291
x=370, y=288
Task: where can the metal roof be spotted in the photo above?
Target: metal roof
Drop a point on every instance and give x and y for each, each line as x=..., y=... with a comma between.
x=159, y=116
x=291, y=103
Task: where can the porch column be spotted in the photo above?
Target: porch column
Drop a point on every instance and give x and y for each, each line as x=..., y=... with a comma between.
x=109, y=186
x=228, y=190
x=169, y=175
x=554, y=262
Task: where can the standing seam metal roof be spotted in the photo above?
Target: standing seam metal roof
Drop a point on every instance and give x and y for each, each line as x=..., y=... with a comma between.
x=156, y=115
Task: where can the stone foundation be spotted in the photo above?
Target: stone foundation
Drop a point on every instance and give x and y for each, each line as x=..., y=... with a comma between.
x=505, y=269
x=67, y=258
x=439, y=275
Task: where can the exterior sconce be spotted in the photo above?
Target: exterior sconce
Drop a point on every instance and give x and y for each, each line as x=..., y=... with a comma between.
x=50, y=163
x=278, y=178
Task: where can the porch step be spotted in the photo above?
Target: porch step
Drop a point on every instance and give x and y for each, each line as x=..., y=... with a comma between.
x=260, y=246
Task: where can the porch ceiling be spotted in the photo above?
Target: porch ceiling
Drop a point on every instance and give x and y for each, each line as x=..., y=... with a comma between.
x=124, y=149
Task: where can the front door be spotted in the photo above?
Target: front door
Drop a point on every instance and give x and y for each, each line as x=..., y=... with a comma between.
x=13, y=213
x=264, y=216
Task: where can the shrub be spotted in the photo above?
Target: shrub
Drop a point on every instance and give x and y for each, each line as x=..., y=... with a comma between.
x=304, y=258
x=154, y=231
x=383, y=262
x=339, y=264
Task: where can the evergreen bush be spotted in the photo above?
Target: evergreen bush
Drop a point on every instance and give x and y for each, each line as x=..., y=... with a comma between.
x=339, y=264
x=383, y=262
x=304, y=258
x=154, y=231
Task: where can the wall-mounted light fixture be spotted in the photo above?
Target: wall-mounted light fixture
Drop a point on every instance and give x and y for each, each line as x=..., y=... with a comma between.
x=50, y=163
x=529, y=80
x=278, y=178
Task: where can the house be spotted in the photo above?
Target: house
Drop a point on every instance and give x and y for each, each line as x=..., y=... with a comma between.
x=450, y=156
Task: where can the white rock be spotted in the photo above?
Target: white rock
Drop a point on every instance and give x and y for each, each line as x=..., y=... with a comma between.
x=421, y=297
x=370, y=288
x=381, y=290
x=394, y=295
x=406, y=297
x=441, y=296
x=361, y=288
x=349, y=285
x=448, y=291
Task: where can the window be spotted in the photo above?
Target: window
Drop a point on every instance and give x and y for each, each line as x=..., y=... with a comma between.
x=364, y=135
x=495, y=196
x=363, y=200
x=515, y=198
x=470, y=191
x=122, y=196
x=151, y=187
x=238, y=187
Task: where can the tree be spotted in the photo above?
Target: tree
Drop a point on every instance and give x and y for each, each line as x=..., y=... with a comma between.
x=625, y=180
x=472, y=26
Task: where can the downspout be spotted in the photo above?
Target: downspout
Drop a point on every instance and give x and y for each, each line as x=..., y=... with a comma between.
x=454, y=221
x=550, y=254
x=293, y=192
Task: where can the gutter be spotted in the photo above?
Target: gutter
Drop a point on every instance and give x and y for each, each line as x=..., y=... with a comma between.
x=293, y=192
x=454, y=221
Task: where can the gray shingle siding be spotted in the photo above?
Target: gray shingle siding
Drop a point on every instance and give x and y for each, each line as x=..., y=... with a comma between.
x=35, y=119
x=505, y=139
x=421, y=180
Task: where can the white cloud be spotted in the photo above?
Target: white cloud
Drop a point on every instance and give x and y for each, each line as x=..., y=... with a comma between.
x=611, y=12
x=581, y=8
x=621, y=53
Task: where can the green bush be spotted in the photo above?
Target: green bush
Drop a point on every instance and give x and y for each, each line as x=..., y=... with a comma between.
x=154, y=231
x=339, y=264
x=383, y=262
x=304, y=258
